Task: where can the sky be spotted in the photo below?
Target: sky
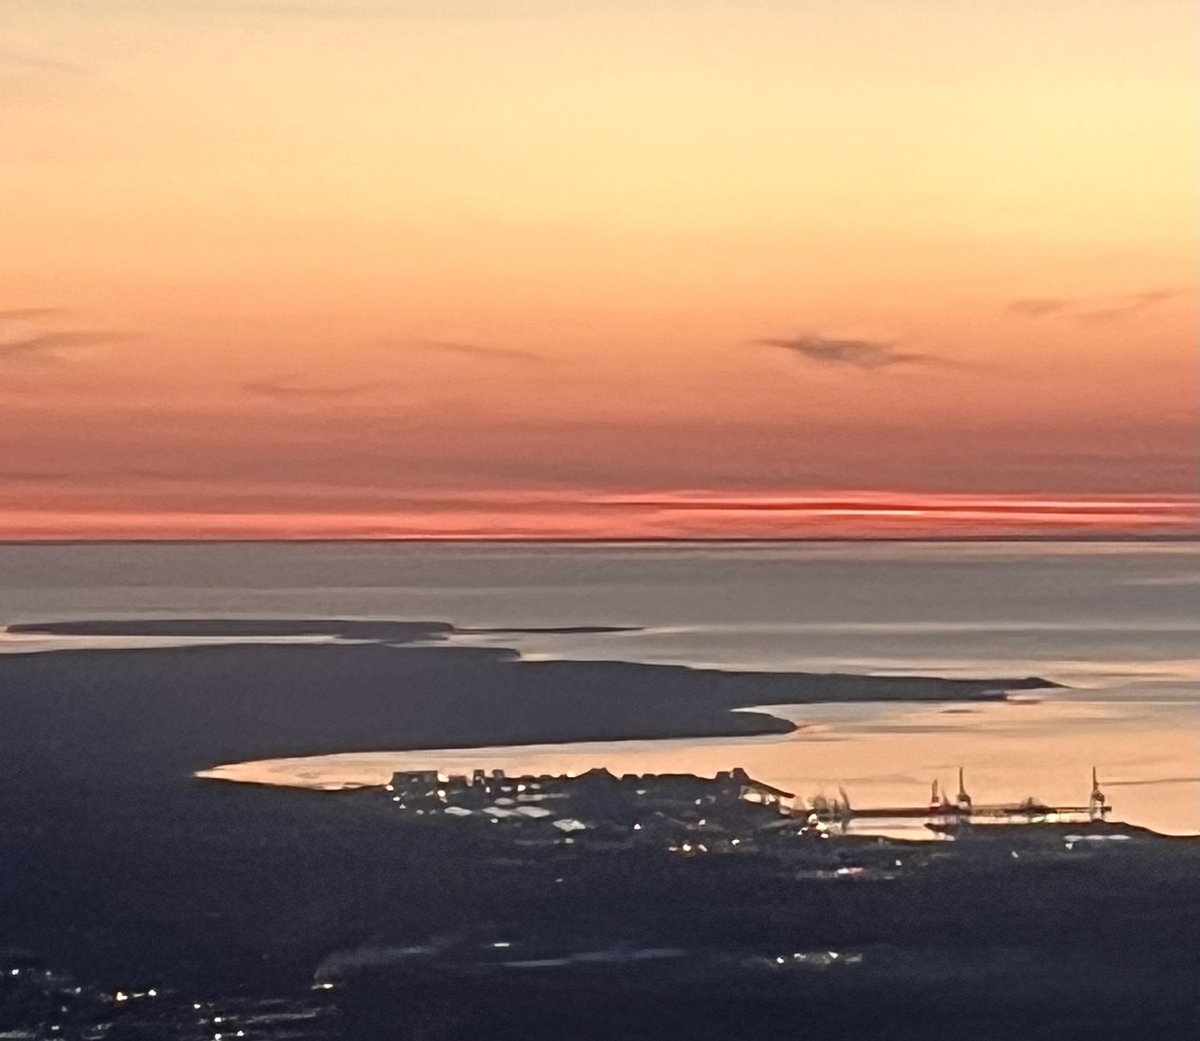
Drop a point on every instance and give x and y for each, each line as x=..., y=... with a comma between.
x=608, y=268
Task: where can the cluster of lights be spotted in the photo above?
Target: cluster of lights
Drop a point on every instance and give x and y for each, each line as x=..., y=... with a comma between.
x=817, y=958
x=218, y=1035
x=122, y=996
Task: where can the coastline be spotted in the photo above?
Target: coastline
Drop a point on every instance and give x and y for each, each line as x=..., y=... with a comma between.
x=120, y=865
x=293, y=699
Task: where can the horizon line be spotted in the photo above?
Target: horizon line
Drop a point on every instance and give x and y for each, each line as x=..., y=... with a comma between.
x=612, y=540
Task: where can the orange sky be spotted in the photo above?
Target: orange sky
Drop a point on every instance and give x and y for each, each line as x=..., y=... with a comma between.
x=461, y=267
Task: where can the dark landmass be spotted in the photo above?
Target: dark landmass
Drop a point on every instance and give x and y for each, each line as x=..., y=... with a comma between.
x=438, y=932
x=347, y=629
x=193, y=707
x=563, y=630
x=122, y=869
x=965, y=940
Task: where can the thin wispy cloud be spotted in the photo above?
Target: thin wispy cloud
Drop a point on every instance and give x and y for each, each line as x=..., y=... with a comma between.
x=412, y=10
x=1140, y=781
x=101, y=475
x=1094, y=311
x=21, y=341
x=1131, y=303
x=1038, y=307
x=48, y=346
x=34, y=477
x=295, y=388
x=24, y=314
x=20, y=62
x=28, y=76
x=149, y=473
x=850, y=353
x=475, y=350
x=316, y=10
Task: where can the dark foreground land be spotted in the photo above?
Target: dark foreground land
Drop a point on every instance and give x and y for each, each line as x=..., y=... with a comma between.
x=122, y=870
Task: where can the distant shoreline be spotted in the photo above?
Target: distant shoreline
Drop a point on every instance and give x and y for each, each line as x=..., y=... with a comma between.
x=198, y=704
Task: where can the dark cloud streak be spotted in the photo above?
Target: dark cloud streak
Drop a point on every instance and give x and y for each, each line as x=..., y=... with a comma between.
x=857, y=354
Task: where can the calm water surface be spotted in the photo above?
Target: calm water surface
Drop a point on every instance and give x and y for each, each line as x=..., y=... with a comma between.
x=1116, y=622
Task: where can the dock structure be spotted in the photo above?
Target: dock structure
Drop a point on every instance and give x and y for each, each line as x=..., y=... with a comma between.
x=727, y=808
x=962, y=809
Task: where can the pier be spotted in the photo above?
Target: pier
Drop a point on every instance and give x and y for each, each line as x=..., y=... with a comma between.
x=962, y=809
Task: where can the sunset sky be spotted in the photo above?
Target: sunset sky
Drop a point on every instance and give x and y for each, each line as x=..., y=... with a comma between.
x=597, y=268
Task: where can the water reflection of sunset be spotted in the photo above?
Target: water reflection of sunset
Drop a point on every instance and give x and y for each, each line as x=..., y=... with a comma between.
x=885, y=757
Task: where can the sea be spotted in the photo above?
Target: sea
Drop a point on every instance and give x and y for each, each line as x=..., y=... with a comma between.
x=1115, y=623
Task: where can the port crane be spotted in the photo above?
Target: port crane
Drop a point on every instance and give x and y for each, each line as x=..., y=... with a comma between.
x=962, y=807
